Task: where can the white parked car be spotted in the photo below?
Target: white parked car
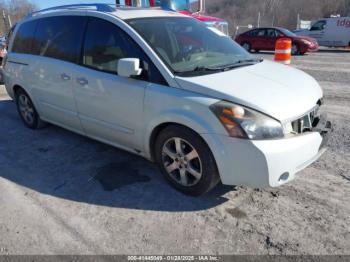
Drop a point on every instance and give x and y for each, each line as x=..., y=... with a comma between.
x=332, y=32
x=164, y=86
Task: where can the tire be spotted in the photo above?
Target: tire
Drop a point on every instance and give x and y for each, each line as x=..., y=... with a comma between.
x=247, y=46
x=295, y=49
x=27, y=111
x=192, y=174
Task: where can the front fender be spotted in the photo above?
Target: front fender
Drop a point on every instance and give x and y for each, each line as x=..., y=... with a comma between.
x=186, y=118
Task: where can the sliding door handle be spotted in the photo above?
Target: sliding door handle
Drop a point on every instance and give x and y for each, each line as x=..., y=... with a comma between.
x=82, y=81
x=65, y=77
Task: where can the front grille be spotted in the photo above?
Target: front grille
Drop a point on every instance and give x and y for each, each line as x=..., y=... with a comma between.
x=307, y=122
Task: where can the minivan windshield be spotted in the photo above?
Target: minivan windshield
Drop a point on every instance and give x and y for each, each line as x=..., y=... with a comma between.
x=188, y=47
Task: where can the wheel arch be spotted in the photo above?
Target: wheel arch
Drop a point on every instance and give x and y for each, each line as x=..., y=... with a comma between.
x=159, y=127
x=155, y=133
x=16, y=88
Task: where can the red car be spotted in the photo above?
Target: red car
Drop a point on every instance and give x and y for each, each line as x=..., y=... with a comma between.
x=265, y=39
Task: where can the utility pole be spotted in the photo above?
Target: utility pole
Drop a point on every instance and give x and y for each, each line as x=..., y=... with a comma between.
x=4, y=18
x=298, y=22
x=259, y=17
x=202, y=6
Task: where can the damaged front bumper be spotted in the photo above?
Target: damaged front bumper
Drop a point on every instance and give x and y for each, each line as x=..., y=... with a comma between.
x=268, y=163
x=325, y=128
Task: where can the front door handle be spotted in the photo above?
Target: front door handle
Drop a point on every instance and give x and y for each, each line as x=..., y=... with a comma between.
x=82, y=81
x=65, y=77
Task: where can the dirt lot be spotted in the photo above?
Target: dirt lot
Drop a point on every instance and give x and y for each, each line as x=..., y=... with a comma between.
x=61, y=193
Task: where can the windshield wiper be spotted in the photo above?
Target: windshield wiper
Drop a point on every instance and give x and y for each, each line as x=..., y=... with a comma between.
x=205, y=69
x=198, y=69
x=240, y=63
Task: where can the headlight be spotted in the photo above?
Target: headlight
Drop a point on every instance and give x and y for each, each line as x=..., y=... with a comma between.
x=306, y=42
x=242, y=122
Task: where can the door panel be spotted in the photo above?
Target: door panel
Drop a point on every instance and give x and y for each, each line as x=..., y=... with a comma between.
x=53, y=89
x=110, y=107
x=57, y=45
x=317, y=31
x=271, y=38
x=260, y=40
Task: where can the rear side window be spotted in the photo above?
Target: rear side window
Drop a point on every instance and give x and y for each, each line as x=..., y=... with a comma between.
x=24, y=38
x=261, y=32
x=59, y=37
x=253, y=32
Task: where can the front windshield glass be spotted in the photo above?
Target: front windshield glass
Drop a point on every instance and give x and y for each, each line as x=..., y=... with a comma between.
x=186, y=44
x=287, y=32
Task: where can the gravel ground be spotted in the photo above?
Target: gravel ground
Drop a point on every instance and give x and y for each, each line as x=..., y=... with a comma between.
x=61, y=193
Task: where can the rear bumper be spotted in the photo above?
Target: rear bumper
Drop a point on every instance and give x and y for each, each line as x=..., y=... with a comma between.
x=269, y=163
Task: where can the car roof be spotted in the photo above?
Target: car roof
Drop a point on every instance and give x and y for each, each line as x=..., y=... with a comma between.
x=133, y=13
x=122, y=12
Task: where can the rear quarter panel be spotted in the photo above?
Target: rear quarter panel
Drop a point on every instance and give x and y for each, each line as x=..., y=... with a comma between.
x=19, y=70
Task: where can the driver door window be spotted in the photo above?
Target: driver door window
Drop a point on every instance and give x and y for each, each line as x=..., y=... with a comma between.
x=319, y=26
x=271, y=33
x=104, y=46
x=271, y=38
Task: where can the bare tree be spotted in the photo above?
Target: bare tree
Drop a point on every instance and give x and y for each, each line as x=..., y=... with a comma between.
x=20, y=8
x=277, y=12
x=15, y=10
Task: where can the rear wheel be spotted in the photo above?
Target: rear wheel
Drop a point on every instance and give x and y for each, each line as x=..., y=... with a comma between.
x=27, y=111
x=186, y=161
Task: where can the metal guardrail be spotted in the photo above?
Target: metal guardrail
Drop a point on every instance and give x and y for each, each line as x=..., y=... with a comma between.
x=97, y=7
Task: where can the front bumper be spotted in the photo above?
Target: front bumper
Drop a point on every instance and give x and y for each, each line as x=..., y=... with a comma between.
x=311, y=48
x=268, y=163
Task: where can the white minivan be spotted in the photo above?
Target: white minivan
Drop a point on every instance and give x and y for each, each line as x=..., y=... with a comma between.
x=331, y=32
x=164, y=86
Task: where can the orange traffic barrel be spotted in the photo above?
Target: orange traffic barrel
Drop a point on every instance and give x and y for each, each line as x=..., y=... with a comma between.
x=283, y=51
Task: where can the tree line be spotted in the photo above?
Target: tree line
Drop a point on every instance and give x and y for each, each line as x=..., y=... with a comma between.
x=13, y=10
x=237, y=12
x=275, y=12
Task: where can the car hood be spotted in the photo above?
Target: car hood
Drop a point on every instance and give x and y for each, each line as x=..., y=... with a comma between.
x=312, y=40
x=280, y=91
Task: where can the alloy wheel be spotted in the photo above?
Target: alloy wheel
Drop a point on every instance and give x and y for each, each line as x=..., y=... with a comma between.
x=295, y=49
x=182, y=162
x=26, y=108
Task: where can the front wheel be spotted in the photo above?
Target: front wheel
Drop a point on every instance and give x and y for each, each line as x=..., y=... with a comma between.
x=295, y=49
x=186, y=161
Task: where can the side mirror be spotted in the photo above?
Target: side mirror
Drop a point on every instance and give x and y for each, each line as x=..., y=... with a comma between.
x=128, y=67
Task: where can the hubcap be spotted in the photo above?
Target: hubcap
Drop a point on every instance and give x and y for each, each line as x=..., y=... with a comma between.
x=246, y=46
x=26, y=109
x=294, y=49
x=182, y=162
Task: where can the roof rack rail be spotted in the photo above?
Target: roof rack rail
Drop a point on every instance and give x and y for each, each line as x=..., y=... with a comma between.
x=97, y=7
